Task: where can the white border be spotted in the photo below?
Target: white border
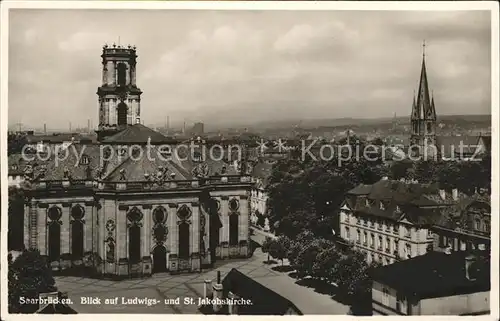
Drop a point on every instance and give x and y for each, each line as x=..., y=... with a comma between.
x=491, y=6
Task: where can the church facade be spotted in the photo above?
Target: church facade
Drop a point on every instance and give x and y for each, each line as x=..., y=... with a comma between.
x=136, y=203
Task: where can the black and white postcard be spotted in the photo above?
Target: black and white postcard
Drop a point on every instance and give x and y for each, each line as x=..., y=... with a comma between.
x=249, y=158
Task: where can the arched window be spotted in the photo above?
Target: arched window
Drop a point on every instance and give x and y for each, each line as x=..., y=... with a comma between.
x=159, y=229
x=54, y=214
x=233, y=229
x=487, y=226
x=134, y=248
x=122, y=74
x=477, y=224
x=134, y=235
x=122, y=114
x=184, y=240
x=77, y=226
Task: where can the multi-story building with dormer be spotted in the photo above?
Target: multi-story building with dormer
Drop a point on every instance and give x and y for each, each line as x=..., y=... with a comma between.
x=391, y=220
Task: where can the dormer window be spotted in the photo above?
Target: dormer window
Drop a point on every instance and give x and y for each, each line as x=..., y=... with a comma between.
x=85, y=160
x=382, y=206
x=367, y=203
x=398, y=210
x=165, y=153
x=121, y=151
x=14, y=167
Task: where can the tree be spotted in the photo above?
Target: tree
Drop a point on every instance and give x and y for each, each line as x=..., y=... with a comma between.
x=297, y=246
x=266, y=246
x=399, y=169
x=28, y=276
x=326, y=264
x=279, y=248
x=261, y=219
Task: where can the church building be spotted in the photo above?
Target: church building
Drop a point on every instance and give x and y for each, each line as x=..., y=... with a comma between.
x=135, y=203
x=423, y=115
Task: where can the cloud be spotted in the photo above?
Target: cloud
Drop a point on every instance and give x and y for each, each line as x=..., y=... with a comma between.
x=236, y=66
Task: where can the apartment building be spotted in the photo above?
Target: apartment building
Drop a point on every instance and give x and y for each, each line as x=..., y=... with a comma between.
x=391, y=220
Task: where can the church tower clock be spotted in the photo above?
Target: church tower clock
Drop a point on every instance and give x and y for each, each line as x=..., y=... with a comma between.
x=119, y=96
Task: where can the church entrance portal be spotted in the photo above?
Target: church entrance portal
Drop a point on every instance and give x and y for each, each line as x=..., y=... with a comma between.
x=159, y=259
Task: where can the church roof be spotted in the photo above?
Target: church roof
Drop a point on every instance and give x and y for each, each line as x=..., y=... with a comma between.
x=137, y=134
x=433, y=275
x=265, y=300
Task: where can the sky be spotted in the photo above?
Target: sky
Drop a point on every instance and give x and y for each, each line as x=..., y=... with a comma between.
x=245, y=67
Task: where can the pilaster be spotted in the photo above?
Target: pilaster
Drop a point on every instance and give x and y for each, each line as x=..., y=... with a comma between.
x=173, y=233
x=88, y=227
x=42, y=229
x=122, y=232
x=195, y=228
x=146, y=231
x=65, y=229
x=26, y=224
x=101, y=217
x=243, y=219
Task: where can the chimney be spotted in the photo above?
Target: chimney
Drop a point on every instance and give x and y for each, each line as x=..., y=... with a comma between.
x=207, y=290
x=232, y=307
x=454, y=194
x=442, y=194
x=217, y=293
x=469, y=261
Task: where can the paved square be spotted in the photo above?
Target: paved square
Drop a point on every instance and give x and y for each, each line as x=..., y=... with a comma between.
x=165, y=286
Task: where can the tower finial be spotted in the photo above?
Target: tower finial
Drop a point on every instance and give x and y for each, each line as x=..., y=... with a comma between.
x=423, y=48
x=119, y=41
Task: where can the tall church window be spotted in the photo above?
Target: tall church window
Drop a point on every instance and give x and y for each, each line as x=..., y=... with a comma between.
x=233, y=228
x=122, y=74
x=77, y=226
x=54, y=215
x=429, y=128
x=122, y=114
x=184, y=241
x=184, y=214
x=134, y=233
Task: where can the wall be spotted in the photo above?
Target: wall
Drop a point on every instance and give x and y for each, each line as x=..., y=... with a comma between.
x=395, y=232
x=458, y=304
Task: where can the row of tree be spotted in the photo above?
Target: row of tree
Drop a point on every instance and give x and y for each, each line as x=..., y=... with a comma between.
x=328, y=262
x=306, y=194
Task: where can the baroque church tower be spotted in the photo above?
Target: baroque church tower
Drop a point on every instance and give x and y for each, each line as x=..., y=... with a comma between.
x=119, y=96
x=423, y=115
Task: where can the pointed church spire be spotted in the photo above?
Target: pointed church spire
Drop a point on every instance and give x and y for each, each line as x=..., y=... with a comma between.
x=423, y=98
x=414, y=111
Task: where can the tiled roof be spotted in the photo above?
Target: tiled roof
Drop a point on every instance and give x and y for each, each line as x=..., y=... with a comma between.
x=109, y=167
x=433, y=275
x=412, y=200
x=264, y=300
x=137, y=134
x=55, y=170
x=450, y=145
x=136, y=169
